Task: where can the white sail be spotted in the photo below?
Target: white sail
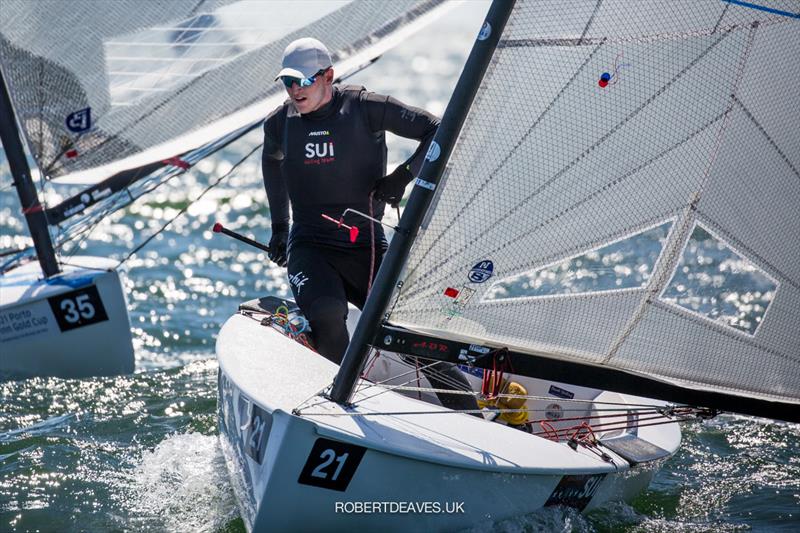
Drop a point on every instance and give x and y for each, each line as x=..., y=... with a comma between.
x=125, y=84
x=666, y=133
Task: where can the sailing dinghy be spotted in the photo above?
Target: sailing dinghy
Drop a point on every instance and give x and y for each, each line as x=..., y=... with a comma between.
x=111, y=102
x=607, y=205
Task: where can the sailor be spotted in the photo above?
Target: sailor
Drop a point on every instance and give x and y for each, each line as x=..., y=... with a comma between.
x=325, y=152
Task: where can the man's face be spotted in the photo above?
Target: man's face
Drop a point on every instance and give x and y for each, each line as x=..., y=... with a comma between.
x=316, y=95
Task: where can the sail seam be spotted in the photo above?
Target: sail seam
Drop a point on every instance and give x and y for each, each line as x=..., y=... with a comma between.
x=722, y=329
x=671, y=254
x=514, y=302
x=763, y=131
x=649, y=38
x=561, y=172
x=719, y=20
x=591, y=19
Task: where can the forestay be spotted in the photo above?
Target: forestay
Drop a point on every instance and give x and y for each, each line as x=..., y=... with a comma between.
x=101, y=89
x=624, y=193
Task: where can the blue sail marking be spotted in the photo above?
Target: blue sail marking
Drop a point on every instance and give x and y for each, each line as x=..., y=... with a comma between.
x=772, y=10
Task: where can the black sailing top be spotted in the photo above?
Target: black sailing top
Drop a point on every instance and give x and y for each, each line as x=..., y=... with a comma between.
x=328, y=160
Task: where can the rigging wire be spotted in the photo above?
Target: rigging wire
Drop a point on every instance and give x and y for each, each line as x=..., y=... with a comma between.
x=184, y=209
x=458, y=388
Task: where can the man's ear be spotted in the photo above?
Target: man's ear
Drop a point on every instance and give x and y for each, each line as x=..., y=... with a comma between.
x=329, y=75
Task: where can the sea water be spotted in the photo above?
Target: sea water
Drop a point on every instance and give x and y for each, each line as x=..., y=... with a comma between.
x=140, y=452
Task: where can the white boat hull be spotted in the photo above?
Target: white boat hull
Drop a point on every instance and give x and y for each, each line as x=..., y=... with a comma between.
x=72, y=325
x=315, y=468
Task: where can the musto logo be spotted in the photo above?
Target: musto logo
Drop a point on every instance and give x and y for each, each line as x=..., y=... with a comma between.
x=319, y=153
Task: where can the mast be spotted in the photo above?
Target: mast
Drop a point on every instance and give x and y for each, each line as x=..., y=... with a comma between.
x=26, y=189
x=421, y=197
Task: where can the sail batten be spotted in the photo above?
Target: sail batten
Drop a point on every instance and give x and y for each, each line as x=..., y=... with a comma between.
x=622, y=195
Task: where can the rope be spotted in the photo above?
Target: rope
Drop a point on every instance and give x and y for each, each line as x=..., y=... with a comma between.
x=526, y=396
x=416, y=367
x=390, y=388
x=372, y=363
x=456, y=387
x=282, y=322
x=372, y=244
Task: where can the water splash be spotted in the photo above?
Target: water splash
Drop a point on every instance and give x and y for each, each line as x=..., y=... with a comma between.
x=182, y=485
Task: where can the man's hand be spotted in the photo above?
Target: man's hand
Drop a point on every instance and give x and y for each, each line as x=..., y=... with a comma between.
x=390, y=188
x=277, y=244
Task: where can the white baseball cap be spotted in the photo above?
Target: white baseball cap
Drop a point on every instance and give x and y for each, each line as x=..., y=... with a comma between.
x=303, y=58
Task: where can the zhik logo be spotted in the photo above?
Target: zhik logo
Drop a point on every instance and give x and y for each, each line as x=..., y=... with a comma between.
x=298, y=280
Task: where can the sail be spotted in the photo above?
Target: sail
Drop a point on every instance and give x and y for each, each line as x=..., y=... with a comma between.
x=623, y=194
x=129, y=83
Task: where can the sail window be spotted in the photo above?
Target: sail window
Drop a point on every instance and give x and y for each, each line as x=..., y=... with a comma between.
x=626, y=263
x=155, y=60
x=717, y=283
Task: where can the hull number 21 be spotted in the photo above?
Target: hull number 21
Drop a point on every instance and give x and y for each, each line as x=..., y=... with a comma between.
x=331, y=464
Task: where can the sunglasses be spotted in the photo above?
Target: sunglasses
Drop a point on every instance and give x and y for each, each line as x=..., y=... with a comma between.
x=288, y=81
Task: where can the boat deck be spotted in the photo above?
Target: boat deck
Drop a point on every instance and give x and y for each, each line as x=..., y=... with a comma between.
x=277, y=373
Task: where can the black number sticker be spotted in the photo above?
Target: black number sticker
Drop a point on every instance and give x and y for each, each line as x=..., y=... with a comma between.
x=78, y=308
x=331, y=464
x=255, y=441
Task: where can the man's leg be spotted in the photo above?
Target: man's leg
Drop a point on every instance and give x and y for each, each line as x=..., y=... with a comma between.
x=319, y=292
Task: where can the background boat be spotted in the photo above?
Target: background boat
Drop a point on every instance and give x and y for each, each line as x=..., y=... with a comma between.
x=141, y=451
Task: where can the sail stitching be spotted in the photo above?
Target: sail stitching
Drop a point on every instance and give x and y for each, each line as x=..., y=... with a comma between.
x=514, y=302
x=648, y=38
x=591, y=19
x=721, y=16
x=570, y=165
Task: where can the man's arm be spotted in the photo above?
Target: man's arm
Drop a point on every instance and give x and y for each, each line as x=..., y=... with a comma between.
x=386, y=113
x=271, y=157
x=277, y=194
